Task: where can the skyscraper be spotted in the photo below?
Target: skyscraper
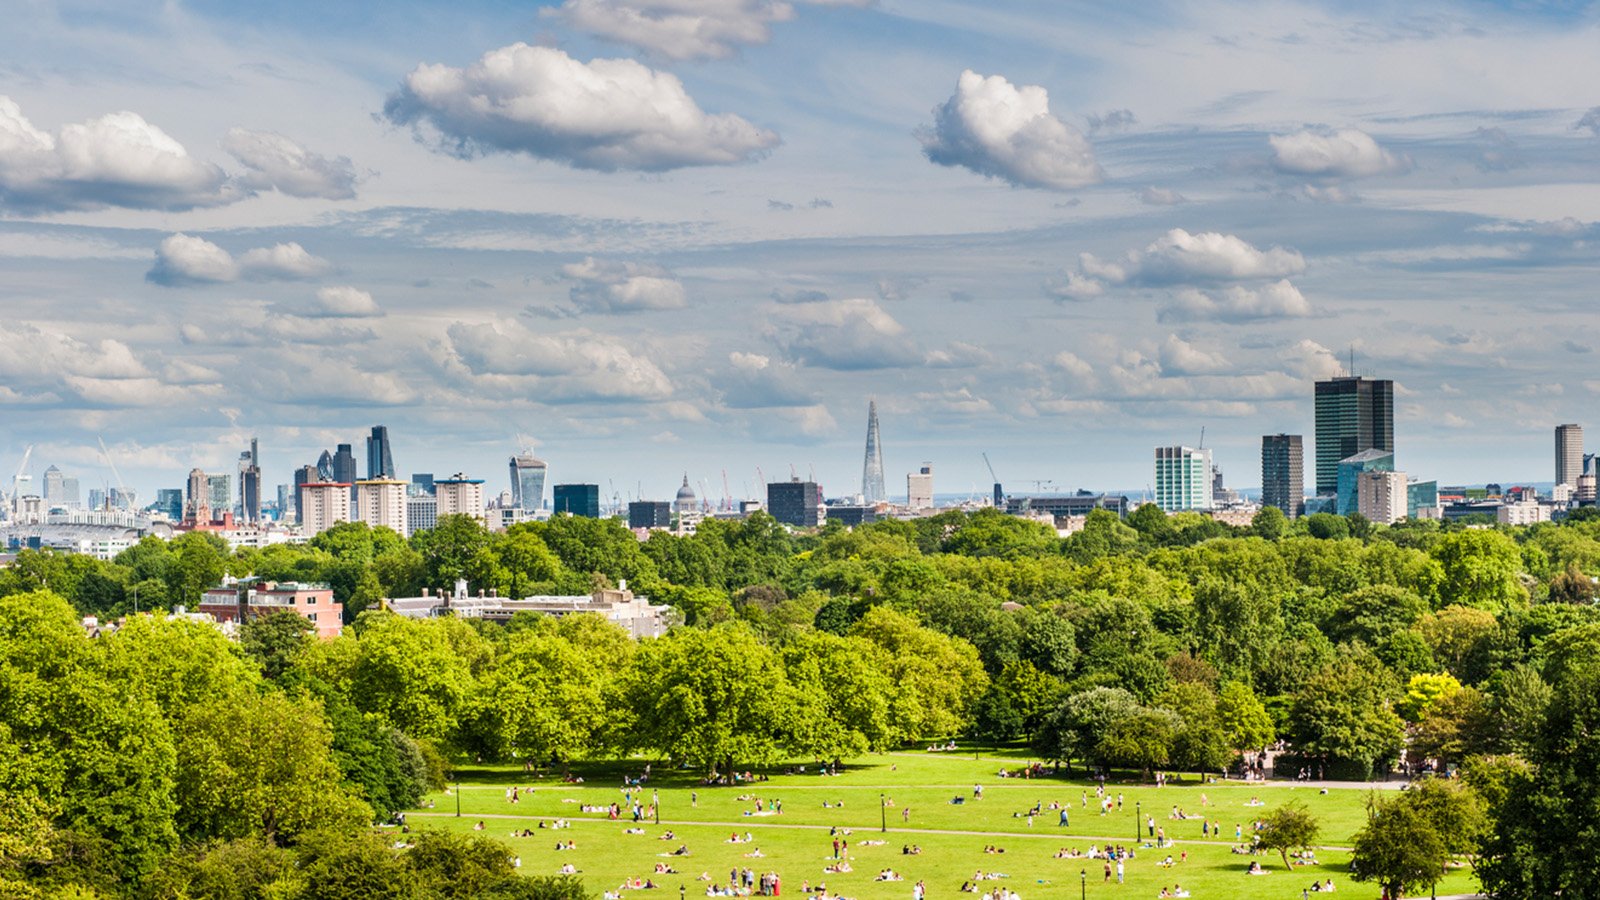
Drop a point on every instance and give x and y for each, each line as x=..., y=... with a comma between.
x=324, y=467
x=577, y=499
x=199, y=505
x=323, y=505
x=169, y=501
x=53, y=488
x=1569, y=454
x=795, y=502
x=382, y=502
x=303, y=476
x=527, y=482
x=1348, y=484
x=919, y=488
x=872, y=489
x=250, y=494
x=1183, y=479
x=1353, y=414
x=1283, y=479
x=380, y=463
x=221, y=495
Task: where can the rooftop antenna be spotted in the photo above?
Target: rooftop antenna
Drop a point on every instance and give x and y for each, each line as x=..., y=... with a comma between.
x=1202, y=438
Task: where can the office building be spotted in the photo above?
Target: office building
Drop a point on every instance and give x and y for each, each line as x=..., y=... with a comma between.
x=919, y=488
x=250, y=493
x=635, y=615
x=220, y=494
x=795, y=502
x=97, y=499
x=577, y=500
x=287, y=503
x=1066, y=506
x=1353, y=415
x=323, y=504
x=344, y=465
x=851, y=514
x=303, y=476
x=1569, y=454
x=1422, y=500
x=1347, y=483
x=527, y=482
x=198, y=508
x=649, y=514
x=422, y=513
x=380, y=462
x=422, y=483
x=124, y=499
x=1283, y=480
x=381, y=502
x=1526, y=512
x=70, y=496
x=54, y=489
x=459, y=495
x=872, y=489
x=1183, y=479
x=169, y=502
x=1381, y=496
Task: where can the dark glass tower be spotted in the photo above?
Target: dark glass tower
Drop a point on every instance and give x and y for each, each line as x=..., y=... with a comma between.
x=1353, y=414
x=380, y=464
x=1283, y=477
x=872, y=489
x=577, y=499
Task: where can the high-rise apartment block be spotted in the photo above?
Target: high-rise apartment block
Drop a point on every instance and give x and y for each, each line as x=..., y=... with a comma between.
x=795, y=502
x=527, y=482
x=1353, y=414
x=919, y=488
x=1283, y=480
x=1569, y=454
x=1183, y=479
x=459, y=495
x=1381, y=495
x=1347, y=482
x=323, y=504
x=382, y=502
x=577, y=500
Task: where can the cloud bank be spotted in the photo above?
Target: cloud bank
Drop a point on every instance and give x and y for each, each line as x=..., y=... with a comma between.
x=1002, y=131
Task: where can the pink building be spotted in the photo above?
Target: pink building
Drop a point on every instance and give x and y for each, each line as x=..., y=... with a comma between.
x=238, y=601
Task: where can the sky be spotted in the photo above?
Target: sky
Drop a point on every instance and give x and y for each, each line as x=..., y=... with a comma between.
x=656, y=237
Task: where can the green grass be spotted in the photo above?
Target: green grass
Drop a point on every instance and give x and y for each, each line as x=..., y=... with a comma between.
x=797, y=845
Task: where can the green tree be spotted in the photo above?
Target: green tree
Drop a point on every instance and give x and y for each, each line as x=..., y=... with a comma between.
x=1141, y=740
x=1243, y=719
x=543, y=699
x=1289, y=827
x=937, y=679
x=458, y=866
x=1343, y=713
x=1270, y=523
x=844, y=696
x=1398, y=849
x=276, y=640
x=1480, y=569
x=1423, y=692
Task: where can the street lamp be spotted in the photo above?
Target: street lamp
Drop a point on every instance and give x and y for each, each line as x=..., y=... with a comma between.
x=883, y=814
x=1083, y=883
x=1138, y=819
x=655, y=804
x=458, y=798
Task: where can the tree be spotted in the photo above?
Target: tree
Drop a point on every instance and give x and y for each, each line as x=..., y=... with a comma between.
x=1270, y=523
x=1572, y=586
x=1343, y=713
x=1480, y=569
x=458, y=866
x=1199, y=742
x=1423, y=692
x=543, y=699
x=1140, y=740
x=1075, y=729
x=845, y=696
x=1398, y=849
x=276, y=640
x=1289, y=827
x=1242, y=718
x=937, y=679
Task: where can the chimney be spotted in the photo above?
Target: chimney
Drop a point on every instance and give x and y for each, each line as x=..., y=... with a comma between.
x=425, y=592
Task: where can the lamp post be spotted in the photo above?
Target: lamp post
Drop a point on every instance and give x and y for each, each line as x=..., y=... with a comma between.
x=458, y=799
x=883, y=814
x=1138, y=819
x=655, y=804
x=1083, y=883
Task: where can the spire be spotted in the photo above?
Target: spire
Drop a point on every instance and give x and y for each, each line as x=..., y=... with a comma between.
x=872, y=490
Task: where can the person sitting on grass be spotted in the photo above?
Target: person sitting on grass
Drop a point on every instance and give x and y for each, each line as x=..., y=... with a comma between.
x=1255, y=868
x=568, y=869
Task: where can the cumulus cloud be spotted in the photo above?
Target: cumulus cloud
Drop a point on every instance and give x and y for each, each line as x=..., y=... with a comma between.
x=1179, y=357
x=1000, y=130
x=1346, y=153
x=848, y=335
x=607, y=114
x=622, y=287
x=114, y=160
x=1311, y=361
x=1179, y=257
x=275, y=162
x=755, y=381
x=682, y=29
x=183, y=259
x=1236, y=303
x=1073, y=286
x=568, y=367
x=343, y=302
x=958, y=355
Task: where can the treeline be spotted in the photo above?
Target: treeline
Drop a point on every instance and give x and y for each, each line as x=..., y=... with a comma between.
x=1159, y=642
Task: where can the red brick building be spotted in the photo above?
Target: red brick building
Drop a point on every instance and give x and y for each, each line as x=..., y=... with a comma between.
x=239, y=601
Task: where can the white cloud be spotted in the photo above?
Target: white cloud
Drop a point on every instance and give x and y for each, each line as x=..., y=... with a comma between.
x=1073, y=286
x=343, y=302
x=958, y=355
x=622, y=287
x=997, y=129
x=847, y=335
x=1235, y=303
x=1179, y=357
x=755, y=381
x=114, y=160
x=183, y=259
x=1311, y=361
x=278, y=163
x=678, y=29
x=1073, y=364
x=565, y=367
x=1179, y=257
x=1347, y=153
x=607, y=114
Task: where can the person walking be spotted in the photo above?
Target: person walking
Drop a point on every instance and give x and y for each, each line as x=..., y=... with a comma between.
x=1119, y=870
x=1063, y=822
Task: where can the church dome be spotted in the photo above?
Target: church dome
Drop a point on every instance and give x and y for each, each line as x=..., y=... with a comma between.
x=686, y=502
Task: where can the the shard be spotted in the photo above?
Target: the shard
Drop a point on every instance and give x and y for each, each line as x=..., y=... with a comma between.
x=872, y=490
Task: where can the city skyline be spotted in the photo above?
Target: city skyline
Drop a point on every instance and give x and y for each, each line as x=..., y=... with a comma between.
x=296, y=229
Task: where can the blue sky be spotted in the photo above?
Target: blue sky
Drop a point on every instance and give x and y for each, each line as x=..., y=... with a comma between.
x=657, y=236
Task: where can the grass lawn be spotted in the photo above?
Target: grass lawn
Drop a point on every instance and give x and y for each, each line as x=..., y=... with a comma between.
x=796, y=844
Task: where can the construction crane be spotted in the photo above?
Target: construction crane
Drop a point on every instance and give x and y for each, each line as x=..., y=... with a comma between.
x=705, y=496
x=10, y=500
x=1202, y=438
x=727, y=495
x=121, y=488
x=999, y=495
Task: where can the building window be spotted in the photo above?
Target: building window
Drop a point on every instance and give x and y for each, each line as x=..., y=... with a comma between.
x=311, y=616
x=311, y=601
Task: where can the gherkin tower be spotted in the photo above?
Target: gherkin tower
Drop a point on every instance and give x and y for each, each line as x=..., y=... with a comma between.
x=872, y=489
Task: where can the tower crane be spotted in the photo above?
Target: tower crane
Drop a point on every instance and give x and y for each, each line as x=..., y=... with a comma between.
x=16, y=480
x=121, y=488
x=999, y=494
